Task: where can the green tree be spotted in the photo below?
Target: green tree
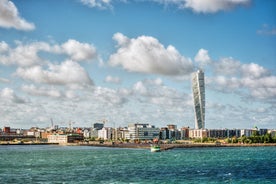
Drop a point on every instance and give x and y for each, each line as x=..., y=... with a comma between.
x=234, y=139
x=268, y=138
x=243, y=138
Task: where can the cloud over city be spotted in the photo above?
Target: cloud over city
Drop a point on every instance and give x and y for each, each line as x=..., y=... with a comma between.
x=197, y=6
x=28, y=54
x=230, y=75
x=146, y=54
x=67, y=73
x=101, y=4
x=213, y=6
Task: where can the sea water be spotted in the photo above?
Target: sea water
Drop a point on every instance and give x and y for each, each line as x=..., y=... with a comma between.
x=85, y=164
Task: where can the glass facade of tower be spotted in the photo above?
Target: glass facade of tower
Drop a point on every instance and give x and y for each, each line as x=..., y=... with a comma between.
x=198, y=87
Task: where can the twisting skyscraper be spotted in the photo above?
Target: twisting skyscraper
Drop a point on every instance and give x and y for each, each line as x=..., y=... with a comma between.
x=198, y=87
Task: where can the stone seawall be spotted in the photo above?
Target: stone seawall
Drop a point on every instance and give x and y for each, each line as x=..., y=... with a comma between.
x=172, y=146
x=208, y=145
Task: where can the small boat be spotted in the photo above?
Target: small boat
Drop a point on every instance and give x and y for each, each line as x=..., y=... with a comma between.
x=155, y=148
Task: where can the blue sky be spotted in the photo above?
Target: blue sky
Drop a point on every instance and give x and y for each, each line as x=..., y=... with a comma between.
x=131, y=61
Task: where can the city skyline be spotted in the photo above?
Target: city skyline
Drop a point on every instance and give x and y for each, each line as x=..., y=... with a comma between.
x=131, y=61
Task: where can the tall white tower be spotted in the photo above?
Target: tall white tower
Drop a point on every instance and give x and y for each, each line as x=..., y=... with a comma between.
x=198, y=87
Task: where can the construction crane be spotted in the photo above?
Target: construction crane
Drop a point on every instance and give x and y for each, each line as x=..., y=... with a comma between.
x=52, y=123
x=103, y=120
x=70, y=125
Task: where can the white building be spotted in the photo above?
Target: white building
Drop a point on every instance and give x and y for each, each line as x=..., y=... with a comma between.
x=64, y=138
x=57, y=138
x=141, y=132
x=198, y=133
x=86, y=133
x=105, y=133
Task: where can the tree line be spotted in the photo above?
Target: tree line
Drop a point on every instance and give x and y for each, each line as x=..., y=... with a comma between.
x=253, y=139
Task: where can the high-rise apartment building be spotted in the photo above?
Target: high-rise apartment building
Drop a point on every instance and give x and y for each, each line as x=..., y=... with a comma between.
x=198, y=87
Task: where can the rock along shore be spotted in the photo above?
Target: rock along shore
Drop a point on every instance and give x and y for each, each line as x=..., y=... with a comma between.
x=172, y=146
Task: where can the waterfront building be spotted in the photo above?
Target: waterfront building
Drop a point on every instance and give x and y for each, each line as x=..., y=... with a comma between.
x=19, y=131
x=139, y=131
x=86, y=133
x=94, y=133
x=164, y=133
x=263, y=131
x=174, y=133
x=172, y=127
x=198, y=133
x=120, y=133
x=12, y=137
x=7, y=130
x=57, y=138
x=44, y=135
x=64, y=138
x=233, y=133
x=105, y=133
x=223, y=133
x=198, y=88
x=217, y=133
x=98, y=126
x=272, y=132
x=246, y=132
x=184, y=133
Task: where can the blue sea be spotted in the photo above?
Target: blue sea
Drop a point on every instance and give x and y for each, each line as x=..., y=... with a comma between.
x=84, y=164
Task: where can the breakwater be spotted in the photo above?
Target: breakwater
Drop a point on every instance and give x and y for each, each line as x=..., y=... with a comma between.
x=172, y=146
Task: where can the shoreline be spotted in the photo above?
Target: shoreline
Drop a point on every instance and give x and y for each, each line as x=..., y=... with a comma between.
x=146, y=146
x=213, y=145
x=27, y=143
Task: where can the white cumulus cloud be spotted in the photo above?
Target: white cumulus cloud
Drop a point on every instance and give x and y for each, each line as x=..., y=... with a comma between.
x=67, y=73
x=10, y=18
x=205, y=6
x=4, y=47
x=202, y=58
x=78, y=51
x=252, y=79
x=22, y=55
x=41, y=91
x=157, y=93
x=26, y=55
x=109, y=96
x=101, y=4
x=198, y=6
x=7, y=94
x=213, y=6
x=227, y=66
x=146, y=54
x=253, y=70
